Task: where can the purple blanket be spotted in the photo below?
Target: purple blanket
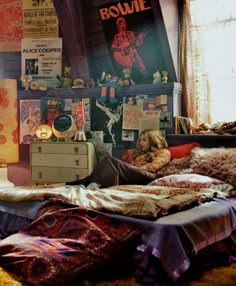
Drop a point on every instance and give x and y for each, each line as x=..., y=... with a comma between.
x=164, y=237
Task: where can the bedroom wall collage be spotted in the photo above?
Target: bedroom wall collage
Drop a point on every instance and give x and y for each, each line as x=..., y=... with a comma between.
x=93, y=57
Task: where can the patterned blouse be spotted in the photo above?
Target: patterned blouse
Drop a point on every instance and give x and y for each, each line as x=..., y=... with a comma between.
x=159, y=159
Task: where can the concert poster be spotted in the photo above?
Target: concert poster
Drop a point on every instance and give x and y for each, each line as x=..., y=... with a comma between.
x=42, y=58
x=11, y=29
x=132, y=38
x=39, y=19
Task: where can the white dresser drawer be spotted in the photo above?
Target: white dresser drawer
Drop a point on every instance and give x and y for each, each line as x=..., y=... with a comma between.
x=57, y=175
x=59, y=148
x=58, y=162
x=64, y=160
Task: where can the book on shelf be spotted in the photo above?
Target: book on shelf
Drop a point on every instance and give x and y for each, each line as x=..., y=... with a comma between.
x=183, y=125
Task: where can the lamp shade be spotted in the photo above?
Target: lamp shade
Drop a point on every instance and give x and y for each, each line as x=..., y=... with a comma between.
x=9, y=148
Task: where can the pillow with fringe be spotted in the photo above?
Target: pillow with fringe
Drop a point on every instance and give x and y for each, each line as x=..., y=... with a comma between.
x=192, y=181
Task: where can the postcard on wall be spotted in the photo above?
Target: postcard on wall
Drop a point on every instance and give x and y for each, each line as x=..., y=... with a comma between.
x=51, y=107
x=127, y=135
x=152, y=104
x=39, y=19
x=165, y=120
x=42, y=58
x=149, y=122
x=131, y=113
x=11, y=25
x=29, y=120
x=130, y=31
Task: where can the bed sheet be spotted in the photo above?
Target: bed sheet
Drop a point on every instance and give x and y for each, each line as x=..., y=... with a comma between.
x=16, y=215
x=200, y=226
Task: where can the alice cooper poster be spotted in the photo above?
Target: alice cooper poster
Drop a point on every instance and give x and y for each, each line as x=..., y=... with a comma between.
x=132, y=38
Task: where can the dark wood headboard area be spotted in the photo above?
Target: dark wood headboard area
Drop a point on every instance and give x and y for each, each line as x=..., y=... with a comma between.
x=204, y=140
x=208, y=141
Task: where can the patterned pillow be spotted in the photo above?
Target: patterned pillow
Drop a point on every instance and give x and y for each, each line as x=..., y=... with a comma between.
x=64, y=242
x=218, y=163
x=192, y=181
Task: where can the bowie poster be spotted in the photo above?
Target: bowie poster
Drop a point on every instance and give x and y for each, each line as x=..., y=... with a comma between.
x=39, y=19
x=132, y=39
x=42, y=58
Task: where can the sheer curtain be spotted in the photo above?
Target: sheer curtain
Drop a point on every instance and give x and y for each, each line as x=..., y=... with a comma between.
x=208, y=61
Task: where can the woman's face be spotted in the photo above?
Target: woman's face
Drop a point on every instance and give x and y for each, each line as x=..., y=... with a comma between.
x=52, y=113
x=144, y=143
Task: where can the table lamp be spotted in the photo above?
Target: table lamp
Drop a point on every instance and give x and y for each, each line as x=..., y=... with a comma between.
x=9, y=148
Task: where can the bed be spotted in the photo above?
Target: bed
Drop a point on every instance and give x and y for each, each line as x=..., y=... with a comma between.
x=66, y=233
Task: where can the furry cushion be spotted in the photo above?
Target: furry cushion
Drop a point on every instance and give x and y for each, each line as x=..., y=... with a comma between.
x=192, y=181
x=176, y=166
x=218, y=163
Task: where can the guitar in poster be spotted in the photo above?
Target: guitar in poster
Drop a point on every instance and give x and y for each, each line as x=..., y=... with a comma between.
x=132, y=39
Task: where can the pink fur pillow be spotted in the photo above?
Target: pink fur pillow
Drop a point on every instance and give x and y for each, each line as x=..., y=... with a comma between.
x=218, y=163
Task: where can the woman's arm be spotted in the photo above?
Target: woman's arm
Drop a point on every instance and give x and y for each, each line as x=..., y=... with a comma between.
x=160, y=159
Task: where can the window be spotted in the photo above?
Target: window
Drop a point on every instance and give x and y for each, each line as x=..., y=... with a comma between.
x=209, y=67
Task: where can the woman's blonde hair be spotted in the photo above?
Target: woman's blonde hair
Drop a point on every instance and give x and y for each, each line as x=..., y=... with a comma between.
x=156, y=140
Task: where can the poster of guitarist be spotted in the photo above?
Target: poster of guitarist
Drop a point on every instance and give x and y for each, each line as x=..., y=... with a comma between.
x=124, y=47
x=133, y=38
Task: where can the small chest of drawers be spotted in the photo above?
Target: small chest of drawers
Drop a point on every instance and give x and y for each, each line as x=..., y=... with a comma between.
x=57, y=162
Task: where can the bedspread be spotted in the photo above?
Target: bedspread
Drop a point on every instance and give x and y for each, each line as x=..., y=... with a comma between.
x=130, y=200
x=163, y=238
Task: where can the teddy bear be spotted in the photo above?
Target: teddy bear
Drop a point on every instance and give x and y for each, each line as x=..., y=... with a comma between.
x=126, y=79
x=66, y=81
x=39, y=85
x=78, y=83
x=156, y=77
x=164, y=77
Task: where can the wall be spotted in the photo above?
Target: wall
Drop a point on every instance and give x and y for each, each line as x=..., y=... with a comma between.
x=10, y=68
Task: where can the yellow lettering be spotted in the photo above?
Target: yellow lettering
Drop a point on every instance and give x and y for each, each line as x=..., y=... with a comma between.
x=127, y=9
x=104, y=13
x=114, y=11
x=124, y=9
x=142, y=4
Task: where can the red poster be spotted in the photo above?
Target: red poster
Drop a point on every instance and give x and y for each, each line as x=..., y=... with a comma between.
x=132, y=38
x=11, y=27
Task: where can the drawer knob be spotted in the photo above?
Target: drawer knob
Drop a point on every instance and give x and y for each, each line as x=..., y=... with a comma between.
x=77, y=177
x=77, y=162
x=40, y=175
x=76, y=149
x=39, y=149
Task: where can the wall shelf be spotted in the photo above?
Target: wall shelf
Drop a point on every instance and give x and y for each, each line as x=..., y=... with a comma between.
x=94, y=92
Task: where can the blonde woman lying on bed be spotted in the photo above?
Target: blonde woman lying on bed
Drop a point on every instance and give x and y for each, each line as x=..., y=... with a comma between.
x=149, y=156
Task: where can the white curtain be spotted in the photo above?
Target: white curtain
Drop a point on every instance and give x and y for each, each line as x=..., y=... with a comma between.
x=209, y=41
